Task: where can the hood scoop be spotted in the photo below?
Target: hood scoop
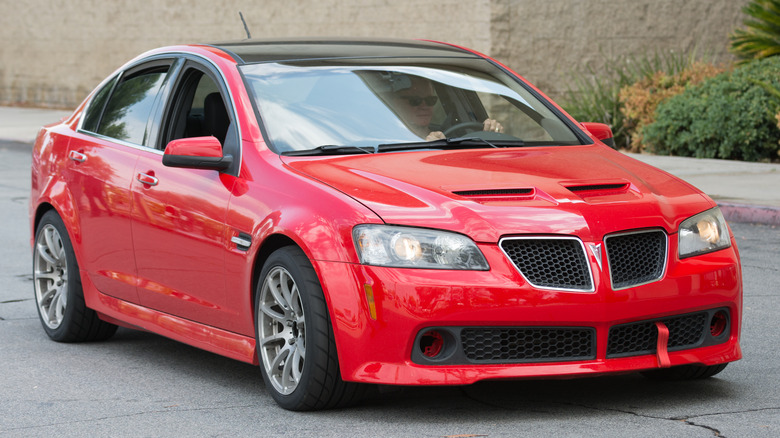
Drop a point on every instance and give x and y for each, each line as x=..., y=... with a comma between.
x=502, y=195
x=589, y=189
x=495, y=193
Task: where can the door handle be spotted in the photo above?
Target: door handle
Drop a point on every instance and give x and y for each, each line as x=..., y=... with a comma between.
x=77, y=156
x=145, y=179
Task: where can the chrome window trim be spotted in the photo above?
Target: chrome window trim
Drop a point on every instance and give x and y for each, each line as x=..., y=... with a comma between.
x=627, y=233
x=119, y=75
x=120, y=142
x=582, y=248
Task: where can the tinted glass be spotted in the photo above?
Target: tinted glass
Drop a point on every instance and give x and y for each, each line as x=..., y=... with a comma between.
x=368, y=102
x=92, y=114
x=128, y=110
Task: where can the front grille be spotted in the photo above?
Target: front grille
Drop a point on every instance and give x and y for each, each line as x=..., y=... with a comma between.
x=686, y=331
x=552, y=263
x=528, y=344
x=636, y=258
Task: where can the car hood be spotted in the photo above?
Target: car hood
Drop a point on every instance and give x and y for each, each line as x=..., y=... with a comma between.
x=588, y=191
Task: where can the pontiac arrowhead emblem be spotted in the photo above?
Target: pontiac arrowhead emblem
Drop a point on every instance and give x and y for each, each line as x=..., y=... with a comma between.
x=595, y=249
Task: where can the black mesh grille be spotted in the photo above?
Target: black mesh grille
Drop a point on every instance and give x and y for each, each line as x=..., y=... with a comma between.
x=550, y=263
x=636, y=258
x=637, y=338
x=528, y=344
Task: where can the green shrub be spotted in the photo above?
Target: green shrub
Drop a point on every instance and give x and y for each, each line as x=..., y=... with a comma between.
x=640, y=99
x=730, y=116
x=595, y=93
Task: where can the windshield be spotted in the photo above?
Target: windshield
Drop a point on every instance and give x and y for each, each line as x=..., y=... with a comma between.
x=352, y=103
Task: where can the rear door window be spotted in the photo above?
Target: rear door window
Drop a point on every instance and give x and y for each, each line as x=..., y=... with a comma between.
x=95, y=109
x=126, y=115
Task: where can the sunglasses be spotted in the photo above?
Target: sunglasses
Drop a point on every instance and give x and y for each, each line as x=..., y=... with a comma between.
x=416, y=100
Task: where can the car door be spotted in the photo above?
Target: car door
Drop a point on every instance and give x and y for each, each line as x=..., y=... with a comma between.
x=102, y=157
x=178, y=224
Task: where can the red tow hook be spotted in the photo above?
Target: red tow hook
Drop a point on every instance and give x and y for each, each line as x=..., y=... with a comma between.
x=661, y=348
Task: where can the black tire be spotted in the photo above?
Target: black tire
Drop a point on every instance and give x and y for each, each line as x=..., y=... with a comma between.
x=685, y=372
x=286, y=323
x=59, y=296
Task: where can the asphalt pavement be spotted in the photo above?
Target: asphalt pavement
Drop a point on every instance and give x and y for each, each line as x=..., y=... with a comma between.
x=746, y=192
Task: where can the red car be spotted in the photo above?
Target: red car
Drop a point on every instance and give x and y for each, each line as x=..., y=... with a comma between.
x=361, y=212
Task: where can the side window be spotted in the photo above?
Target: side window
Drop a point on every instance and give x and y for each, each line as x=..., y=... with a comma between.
x=127, y=113
x=92, y=114
x=198, y=109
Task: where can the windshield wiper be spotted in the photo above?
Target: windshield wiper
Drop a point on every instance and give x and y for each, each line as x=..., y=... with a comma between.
x=461, y=140
x=448, y=143
x=331, y=149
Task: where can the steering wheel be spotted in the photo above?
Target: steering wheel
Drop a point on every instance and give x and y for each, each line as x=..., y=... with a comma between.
x=477, y=126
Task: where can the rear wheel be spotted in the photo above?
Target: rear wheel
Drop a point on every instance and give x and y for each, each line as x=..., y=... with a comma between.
x=58, y=292
x=295, y=342
x=685, y=372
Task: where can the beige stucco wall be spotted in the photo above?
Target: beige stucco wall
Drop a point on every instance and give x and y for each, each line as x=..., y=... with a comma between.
x=54, y=53
x=545, y=40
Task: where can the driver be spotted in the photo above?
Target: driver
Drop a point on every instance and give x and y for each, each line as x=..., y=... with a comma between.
x=414, y=105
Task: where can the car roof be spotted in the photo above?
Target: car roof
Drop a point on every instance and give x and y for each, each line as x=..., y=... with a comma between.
x=255, y=51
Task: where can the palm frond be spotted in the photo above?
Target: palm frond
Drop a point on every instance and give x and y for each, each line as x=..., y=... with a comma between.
x=761, y=37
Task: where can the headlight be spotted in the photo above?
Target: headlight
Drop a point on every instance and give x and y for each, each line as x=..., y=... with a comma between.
x=406, y=247
x=703, y=233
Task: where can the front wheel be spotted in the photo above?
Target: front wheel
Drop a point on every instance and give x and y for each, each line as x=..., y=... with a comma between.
x=295, y=343
x=58, y=292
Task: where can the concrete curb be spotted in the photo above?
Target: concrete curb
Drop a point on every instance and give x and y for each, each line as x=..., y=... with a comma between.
x=755, y=214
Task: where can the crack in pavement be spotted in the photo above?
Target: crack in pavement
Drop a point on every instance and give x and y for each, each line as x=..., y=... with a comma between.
x=167, y=409
x=765, y=268
x=716, y=432
x=685, y=419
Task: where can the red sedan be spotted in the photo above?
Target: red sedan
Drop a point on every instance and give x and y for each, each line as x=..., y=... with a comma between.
x=344, y=213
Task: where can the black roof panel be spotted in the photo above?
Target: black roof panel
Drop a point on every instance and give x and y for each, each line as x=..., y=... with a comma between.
x=252, y=51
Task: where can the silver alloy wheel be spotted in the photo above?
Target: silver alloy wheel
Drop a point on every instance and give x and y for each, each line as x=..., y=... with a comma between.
x=281, y=330
x=50, y=275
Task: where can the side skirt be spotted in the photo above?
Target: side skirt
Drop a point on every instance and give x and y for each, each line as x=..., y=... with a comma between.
x=125, y=314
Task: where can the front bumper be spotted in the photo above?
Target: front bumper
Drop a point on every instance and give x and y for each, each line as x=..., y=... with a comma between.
x=407, y=303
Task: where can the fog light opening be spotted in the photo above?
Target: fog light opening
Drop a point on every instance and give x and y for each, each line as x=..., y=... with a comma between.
x=431, y=344
x=718, y=324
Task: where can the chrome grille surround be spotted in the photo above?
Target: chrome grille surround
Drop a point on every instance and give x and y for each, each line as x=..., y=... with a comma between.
x=550, y=262
x=636, y=258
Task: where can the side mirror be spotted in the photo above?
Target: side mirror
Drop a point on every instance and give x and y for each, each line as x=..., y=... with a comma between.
x=196, y=153
x=601, y=131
